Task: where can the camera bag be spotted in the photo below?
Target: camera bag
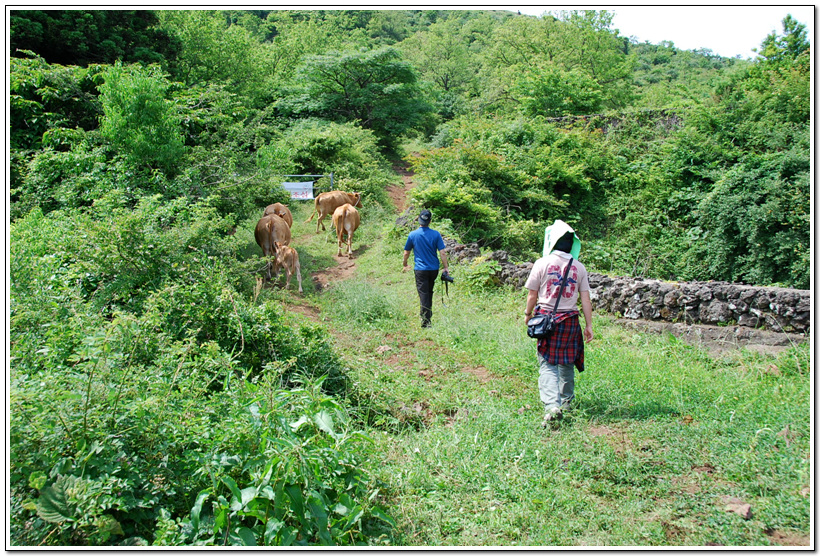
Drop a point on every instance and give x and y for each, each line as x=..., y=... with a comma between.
x=541, y=326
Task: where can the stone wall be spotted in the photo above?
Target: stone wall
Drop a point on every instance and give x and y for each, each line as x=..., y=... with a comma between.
x=709, y=303
x=775, y=309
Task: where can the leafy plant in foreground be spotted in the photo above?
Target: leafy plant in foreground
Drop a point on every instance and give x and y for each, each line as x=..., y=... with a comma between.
x=303, y=484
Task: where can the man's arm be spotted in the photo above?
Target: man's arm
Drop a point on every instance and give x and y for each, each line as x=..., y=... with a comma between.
x=586, y=306
x=532, y=300
x=443, y=256
x=404, y=262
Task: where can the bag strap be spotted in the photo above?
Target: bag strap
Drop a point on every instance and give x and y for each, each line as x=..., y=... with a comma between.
x=563, y=284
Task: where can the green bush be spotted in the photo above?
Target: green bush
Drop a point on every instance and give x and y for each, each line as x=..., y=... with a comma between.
x=133, y=333
x=119, y=455
x=294, y=473
x=758, y=222
x=320, y=147
x=45, y=96
x=475, y=218
x=480, y=275
x=139, y=120
x=553, y=91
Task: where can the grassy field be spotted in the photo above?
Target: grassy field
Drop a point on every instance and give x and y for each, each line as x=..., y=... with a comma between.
x=666, y=445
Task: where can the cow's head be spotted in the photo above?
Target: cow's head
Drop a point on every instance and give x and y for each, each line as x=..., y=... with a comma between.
x=358, y=199
x=278, y=248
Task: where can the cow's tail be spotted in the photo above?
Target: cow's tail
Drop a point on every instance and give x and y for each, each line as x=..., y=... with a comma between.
x=315, y=210
x=347, y=214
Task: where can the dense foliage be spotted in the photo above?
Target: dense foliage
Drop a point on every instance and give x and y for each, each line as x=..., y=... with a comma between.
x=81, y=37
x=158, y=397
x=711, y=183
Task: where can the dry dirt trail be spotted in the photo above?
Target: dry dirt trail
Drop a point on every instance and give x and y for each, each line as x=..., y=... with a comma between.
x=346, y=267
x=398, y=193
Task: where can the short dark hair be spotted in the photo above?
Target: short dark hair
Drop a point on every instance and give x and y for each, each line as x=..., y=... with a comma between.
x=565, y=242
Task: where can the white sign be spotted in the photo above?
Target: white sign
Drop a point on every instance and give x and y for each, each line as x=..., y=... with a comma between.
x=299, y=190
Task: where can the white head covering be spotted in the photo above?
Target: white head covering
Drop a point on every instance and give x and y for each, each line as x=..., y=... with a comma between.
x=553, y=233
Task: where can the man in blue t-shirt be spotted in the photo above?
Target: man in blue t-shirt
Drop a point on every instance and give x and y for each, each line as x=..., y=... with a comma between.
x=425, y=242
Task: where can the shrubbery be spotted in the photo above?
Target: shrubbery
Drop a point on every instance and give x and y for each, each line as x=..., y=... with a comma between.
x=156, y=398
x=500, y=180
x=144, y=373
x=315, y=146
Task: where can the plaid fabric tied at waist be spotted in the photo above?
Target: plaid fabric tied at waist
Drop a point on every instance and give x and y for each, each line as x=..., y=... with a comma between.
x=566, y=343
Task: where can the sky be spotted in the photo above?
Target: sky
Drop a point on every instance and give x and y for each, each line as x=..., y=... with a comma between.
x=727, y=30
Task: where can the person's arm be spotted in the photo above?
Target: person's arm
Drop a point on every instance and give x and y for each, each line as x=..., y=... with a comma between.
x=404, y=262
x=443, y=255
x=586, y=307
x=532, y=301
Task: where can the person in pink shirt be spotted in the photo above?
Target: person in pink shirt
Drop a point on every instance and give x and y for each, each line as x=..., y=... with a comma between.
x=563, y=350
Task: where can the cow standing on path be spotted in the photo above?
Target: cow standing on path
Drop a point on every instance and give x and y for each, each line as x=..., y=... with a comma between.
x=281, y=210
x=269, y=230
x=326, y=203
x=346, y=219
x=288, y=258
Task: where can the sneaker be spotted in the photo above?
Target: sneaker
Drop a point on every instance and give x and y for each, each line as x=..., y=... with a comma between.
x=552, y=414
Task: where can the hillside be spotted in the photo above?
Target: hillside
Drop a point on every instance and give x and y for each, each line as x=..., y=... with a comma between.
x=673, y=163
x=162, y=393
x=645, y=458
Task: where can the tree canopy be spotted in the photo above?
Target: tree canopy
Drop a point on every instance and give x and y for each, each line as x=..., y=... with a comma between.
x=377, y=89
x=82, y=37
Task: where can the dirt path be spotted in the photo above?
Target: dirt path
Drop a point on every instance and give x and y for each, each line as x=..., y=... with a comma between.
x=346, y=268
x=400, y=354
x=342, y=271
x=398, y=193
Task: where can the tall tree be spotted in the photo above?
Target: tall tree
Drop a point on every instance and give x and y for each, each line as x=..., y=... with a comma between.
x=82, y=37
x=138, y=119
x=579, y=42
x=788, y=46
x=376, y=88
x=214, y=51
x=442, y=55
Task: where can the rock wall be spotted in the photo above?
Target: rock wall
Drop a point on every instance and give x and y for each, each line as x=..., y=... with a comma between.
x=710, y=303
x=775, y=309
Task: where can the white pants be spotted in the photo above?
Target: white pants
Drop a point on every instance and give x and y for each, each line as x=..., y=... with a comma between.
x=556, y=384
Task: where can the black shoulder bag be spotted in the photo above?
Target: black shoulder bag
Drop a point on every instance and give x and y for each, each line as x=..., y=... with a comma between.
x=541, y=326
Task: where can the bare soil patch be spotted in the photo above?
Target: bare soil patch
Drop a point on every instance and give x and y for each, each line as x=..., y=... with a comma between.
x=600, y=431
x=398, y=193
x=311, y=312
x=481, y=373
x=344, y=270
x=617, y=439
x=788, y=538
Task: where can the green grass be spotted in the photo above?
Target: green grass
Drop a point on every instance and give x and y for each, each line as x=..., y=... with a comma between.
x=661, y=435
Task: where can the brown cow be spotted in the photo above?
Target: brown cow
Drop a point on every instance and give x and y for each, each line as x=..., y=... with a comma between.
x=269, y=230
x=288, y=258
x=281, y=210
x=345, y=219
x=329, y=201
